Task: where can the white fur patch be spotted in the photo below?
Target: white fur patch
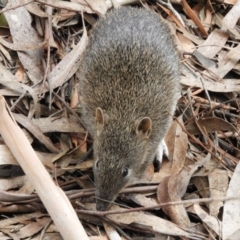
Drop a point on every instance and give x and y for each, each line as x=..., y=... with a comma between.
x=161, y=150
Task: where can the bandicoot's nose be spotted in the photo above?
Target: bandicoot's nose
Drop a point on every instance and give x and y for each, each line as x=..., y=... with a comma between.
x=102, y=205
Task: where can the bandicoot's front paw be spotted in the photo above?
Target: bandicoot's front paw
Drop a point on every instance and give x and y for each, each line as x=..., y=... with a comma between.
x=162, y=150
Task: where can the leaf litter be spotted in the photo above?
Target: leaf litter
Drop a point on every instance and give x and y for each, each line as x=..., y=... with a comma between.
x=193, y=195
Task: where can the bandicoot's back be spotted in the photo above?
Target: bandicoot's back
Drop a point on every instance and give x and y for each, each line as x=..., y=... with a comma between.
x=129, y=85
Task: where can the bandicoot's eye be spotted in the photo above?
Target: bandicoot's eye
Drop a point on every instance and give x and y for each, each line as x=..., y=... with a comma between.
x=125, y=172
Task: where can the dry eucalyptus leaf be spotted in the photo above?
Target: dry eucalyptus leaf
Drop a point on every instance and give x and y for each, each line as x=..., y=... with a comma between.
x=186, y=44
x=218, y=184
x=49, y=235
x=231, y=18
x=13, y=197
x=21, y=47
x=213, y=43
x=64, y=161
x=208, y=219
x=66, y=67
x=206, y=62
x=142, y=200
x=28, y=124
x=111, y=232
x=98, y=6
x=198, y=41
x=98, y=238
x=231, y=216
x=210, y=124
x=180, y=149
x=218, y=38
x=10, y=222
x=187, y=172
x=5, y=52
x=85, y=183
x=7, y=184
x=226, y=64
x=63, y=124
x=20, y=74
x=226, y=85
x=19, y=21
x=149, y=221
x=173, y=188
x=33, y=227
x=167, y=192
x=232, y=2
x=170, y=189
x=36, y=10
x=71, y=6
x=47, y=159
x=84, y=165
x=209, y=166
x=170, y=135
x=13, y=88
x=6, y=156
x=27, y=188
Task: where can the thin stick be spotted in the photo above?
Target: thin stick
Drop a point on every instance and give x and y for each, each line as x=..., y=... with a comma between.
x=191, y=201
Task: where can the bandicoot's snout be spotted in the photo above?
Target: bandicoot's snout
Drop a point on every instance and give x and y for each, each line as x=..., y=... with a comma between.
x=102, y=205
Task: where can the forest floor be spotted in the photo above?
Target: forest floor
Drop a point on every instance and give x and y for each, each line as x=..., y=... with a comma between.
x=194, y=195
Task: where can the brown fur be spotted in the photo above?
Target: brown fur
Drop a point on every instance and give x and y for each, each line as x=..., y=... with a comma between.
x=129, y=85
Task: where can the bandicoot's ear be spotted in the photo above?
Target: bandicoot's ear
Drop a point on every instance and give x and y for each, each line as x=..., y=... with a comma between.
x=144, y=127
x=101, y=119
